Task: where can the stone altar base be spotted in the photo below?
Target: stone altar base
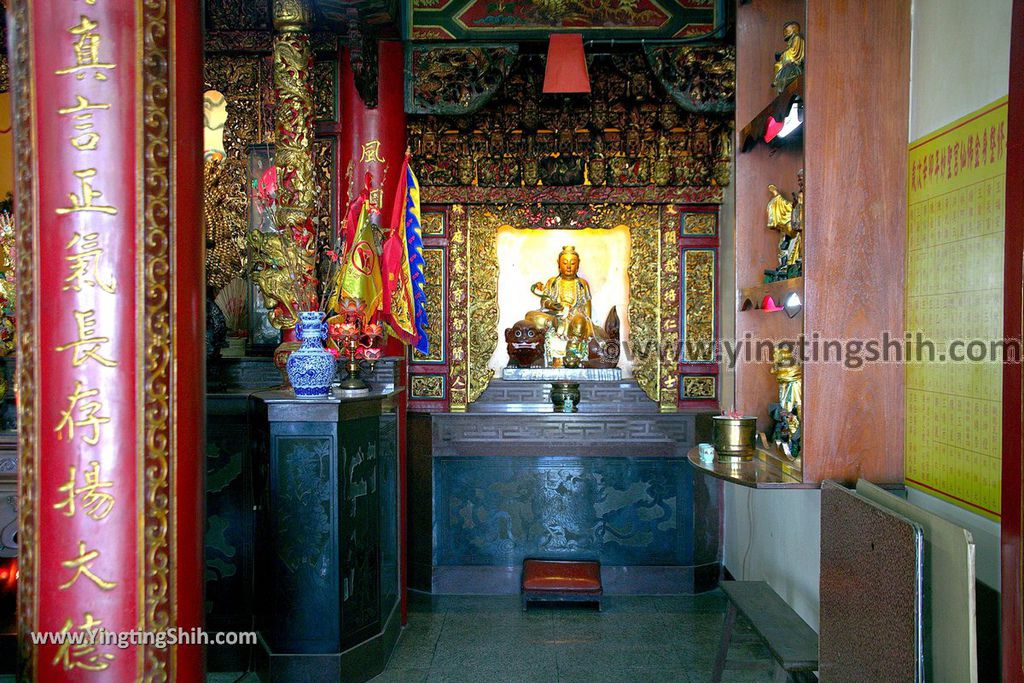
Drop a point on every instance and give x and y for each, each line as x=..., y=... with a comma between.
x=359, y=663
x=564, y=383
x=509, y=480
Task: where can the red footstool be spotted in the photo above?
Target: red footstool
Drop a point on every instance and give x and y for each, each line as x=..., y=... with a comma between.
x=562, y=581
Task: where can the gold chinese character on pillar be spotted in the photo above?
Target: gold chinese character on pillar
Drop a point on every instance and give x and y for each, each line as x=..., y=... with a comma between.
x=87, y=51
x=85, y=201
x=81, y=653
x=95, y=501
x=82, y=566
x=83, y=411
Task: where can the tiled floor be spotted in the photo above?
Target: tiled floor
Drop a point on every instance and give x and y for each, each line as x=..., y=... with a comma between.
x=632, y=640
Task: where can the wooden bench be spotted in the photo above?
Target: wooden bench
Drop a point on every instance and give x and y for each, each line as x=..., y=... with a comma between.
x=793, y=644
x=561, y=581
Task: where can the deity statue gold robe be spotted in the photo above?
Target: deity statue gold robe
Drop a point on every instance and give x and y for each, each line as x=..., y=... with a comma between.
x=565, y=296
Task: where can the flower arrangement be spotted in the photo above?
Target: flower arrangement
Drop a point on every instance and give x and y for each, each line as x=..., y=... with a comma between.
x=355, y=337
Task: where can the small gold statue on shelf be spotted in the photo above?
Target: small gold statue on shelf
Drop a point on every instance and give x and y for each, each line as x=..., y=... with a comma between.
x=789, y=63
x=794, y=250
x=787, y=219
x=788, y=411
x=780, y=210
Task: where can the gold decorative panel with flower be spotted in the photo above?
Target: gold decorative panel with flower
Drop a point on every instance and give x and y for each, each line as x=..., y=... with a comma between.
x=699, y=387
x=699, y=295
x=426, y=387
x=433, y=223
x=700, y=224
x=433, y=274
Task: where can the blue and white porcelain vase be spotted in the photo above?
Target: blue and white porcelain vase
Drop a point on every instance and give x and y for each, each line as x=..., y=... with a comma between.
x=311, y=367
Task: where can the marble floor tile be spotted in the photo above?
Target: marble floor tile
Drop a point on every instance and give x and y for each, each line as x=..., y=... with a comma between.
x=487, y=639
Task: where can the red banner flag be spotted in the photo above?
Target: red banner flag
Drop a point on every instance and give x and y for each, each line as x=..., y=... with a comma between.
x=398, y=294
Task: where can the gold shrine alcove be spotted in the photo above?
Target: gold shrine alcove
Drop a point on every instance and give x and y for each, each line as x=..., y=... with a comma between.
x=653, y=312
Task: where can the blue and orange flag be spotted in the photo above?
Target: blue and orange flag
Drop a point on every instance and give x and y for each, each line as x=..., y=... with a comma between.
x=405, y=300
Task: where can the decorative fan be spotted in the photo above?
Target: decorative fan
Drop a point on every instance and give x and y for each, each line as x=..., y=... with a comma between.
x=231, y=301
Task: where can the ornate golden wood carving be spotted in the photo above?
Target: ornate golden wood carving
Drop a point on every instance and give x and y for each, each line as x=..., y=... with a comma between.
x=700, y=305
x=27, y=389
x=325, y=90
x=324, y=153
x=668, y=378
x=629, y=136
x=699, y=386
x=224, y=211
x=293, y=153
x=700, y=224
x=278, y=256
x=291, y=16
x=483, y=298
x=645, y=302
x=458, y=310
x=433, y=271
x=156, y=255
x=427, y=387
x=653, y=284
x=235, y=15
x=433, y=223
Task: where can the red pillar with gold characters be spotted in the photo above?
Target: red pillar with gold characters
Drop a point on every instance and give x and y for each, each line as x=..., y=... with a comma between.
x=373, y=138
x=373, y=141
x=107, y=99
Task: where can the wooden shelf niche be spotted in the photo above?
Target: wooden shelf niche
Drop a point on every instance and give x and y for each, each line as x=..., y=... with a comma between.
x=853, y=151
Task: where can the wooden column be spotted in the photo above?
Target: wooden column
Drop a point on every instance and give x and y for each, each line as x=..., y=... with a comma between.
x=107, y=99
x=293, y=113
x=293, y=156
x=373, y=141
x=1012, y=491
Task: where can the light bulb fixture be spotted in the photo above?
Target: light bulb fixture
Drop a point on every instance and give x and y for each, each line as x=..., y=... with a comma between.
x=566, y=68
x=780, y=129
x=792, y=305
x=793, y=120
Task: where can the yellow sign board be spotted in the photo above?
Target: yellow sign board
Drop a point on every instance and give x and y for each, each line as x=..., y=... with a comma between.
x=954, y=299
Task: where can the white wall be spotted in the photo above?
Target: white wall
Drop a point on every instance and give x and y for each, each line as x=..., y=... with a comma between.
x=959, y=62
x=774, y=536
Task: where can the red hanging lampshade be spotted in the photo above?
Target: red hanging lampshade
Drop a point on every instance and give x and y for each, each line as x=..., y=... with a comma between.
x=566, y=70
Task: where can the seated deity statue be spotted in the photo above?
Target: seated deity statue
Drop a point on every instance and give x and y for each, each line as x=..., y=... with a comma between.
x=789, y=63
x=785, y=218
x=565, y=296
x=563, y=322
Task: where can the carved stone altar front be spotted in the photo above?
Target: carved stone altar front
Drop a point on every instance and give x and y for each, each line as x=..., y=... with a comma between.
x=326, y=550
x=505, y=481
